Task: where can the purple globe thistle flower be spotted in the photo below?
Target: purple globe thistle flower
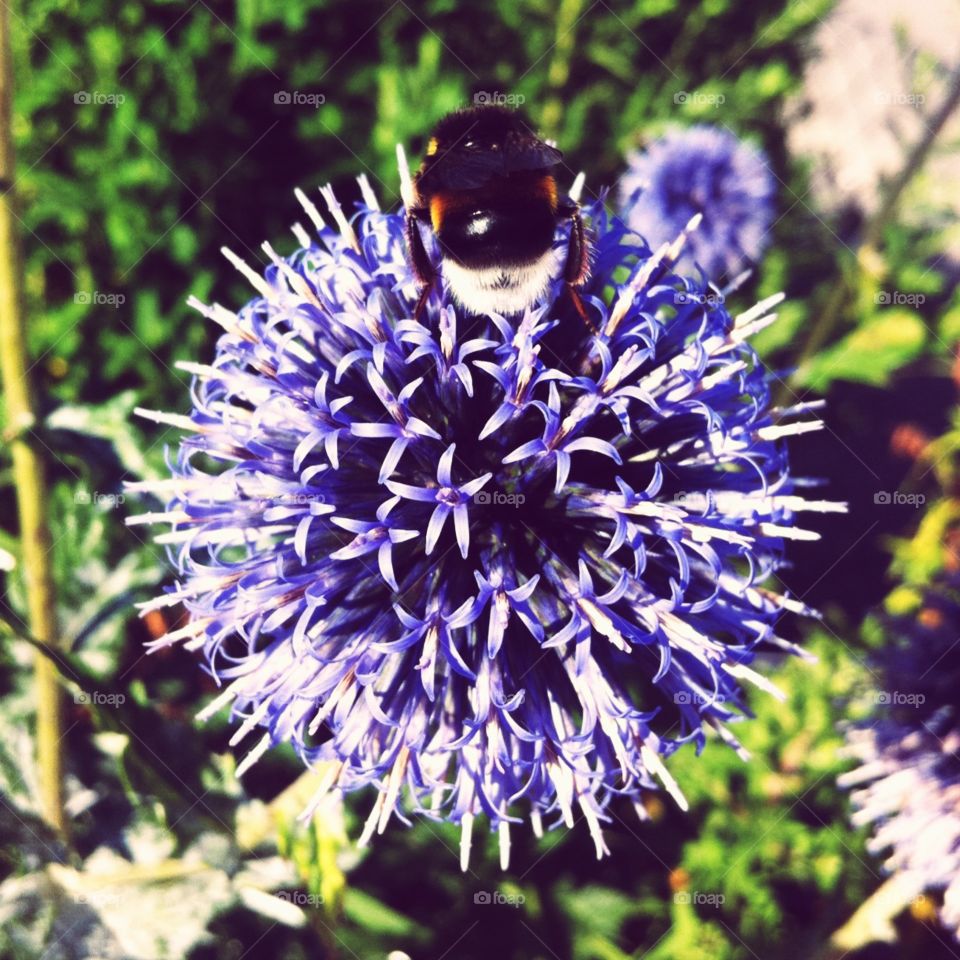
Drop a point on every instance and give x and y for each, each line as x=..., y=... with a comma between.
x=704, y=170
x=487, y=564
x=908, y=775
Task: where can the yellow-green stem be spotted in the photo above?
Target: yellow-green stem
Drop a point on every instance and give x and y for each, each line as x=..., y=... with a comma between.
x=28, y=474
x=845, y=288
x=558, y=73
x=873, y=920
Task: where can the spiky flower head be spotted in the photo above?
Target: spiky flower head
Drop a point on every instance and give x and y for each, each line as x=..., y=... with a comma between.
x=705, y=170
x=907, y=778
x=491, y=565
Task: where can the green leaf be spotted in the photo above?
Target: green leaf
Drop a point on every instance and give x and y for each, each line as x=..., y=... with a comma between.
x=791, y=316
x=597, y=910
x=949, y=327
x=872, y=353
x=377, y=917
x=111, y=420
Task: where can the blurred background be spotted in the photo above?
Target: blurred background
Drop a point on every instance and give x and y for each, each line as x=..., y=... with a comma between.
x=148, y=135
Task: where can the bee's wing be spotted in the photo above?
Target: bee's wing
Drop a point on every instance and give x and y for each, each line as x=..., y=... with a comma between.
x=529, y=153
x=466, y=169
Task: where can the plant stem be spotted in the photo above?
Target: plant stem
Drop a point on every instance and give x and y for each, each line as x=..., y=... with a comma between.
x=872, y=922
x=915, y=161
x=873, y=233
x=28, y=474
x=559, y=71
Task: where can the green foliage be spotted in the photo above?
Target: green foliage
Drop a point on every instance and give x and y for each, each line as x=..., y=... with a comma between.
x=181, y=147
x=773, y=828
x=871, y=353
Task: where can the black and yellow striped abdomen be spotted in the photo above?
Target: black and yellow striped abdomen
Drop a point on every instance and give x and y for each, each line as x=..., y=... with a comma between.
x=509, y=221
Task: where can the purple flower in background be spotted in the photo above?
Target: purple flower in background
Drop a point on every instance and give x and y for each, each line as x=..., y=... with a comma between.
x=704, y=170
x=491, y=565
x=907, y=781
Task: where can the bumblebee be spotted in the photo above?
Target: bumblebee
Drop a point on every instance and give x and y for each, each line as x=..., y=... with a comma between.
x=487, y=189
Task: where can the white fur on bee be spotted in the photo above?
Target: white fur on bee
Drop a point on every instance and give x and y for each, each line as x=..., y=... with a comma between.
x=504, y=290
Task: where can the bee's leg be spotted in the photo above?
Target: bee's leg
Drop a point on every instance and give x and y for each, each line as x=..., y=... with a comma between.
x=423, y=269
x=422, y=301
x=577, y=268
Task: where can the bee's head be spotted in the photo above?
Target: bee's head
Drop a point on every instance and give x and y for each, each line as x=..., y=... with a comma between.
x=479, y=128
x=470, y=147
